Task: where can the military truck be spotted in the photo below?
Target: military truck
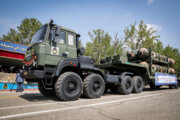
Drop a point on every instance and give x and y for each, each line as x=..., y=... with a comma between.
x=55, y=60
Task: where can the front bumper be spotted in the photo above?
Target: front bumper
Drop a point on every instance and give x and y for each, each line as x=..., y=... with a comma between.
x=33, y=74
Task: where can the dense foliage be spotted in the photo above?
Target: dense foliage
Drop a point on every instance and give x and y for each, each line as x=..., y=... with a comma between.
x=102, y=45
x=24, y=32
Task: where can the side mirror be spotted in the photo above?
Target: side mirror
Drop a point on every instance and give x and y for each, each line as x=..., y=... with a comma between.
x=58, y=29
x=81, y=51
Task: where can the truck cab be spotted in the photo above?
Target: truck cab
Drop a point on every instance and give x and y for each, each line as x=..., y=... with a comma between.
x=50, y=44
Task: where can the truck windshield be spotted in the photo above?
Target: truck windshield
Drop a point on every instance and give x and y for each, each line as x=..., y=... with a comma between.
x=39, y=35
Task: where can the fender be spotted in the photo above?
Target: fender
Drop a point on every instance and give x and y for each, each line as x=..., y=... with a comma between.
x=116, y=79
x=125, y=73
x=70, y=62
x=65, y=63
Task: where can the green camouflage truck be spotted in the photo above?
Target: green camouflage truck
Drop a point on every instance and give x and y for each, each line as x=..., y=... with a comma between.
x=55, y=60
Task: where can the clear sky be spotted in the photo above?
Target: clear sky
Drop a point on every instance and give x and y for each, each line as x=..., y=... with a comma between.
x=85, y=15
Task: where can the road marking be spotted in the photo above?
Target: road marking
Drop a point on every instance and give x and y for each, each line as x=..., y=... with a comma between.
x=35, y=105
x=81, y=106
x=43, y=104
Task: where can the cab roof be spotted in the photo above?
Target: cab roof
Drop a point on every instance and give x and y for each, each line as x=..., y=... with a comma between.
x=67, y=29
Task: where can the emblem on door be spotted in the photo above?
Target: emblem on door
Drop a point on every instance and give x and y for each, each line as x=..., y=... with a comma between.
x=54, y=50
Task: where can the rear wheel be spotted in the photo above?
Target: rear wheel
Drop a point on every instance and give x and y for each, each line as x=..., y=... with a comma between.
x=93, y=86
x=68, y=86
x=42, y=90
x=126, y=85
x=138, y=84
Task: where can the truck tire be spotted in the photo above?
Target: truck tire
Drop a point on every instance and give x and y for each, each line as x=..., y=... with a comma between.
x=68, y=87
x=138, y=84
x=42, y=90
x=126, y=85
x=93, y=86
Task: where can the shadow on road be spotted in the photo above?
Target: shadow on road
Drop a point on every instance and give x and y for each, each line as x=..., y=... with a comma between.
x=146, y=89
x=36, y=97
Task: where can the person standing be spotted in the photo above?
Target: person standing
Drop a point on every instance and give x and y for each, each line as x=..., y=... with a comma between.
x=19, y=81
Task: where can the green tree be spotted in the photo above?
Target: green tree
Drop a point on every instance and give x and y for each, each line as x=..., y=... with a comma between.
x=100, y=46
x=80, y=43
x=158, y=47
x=89, y=49
x=12, y=36
x=27, y=28
x=173, y=53
x=138, y=36
x=24, y=31
x=117, y=45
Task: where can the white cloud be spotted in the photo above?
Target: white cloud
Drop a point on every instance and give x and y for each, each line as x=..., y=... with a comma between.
x=155, y=27
x=150, y=1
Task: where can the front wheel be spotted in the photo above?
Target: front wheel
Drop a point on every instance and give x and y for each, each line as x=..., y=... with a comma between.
x=93, y=86
x=68, y=87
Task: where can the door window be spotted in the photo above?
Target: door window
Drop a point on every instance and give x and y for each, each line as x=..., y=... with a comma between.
x=70, y=39
x=61, y=38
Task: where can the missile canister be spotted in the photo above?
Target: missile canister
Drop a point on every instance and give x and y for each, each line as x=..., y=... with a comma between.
x=153, y=68
x=144, y=64
x=171, y=61
x=153, y=54
x=143, y=53
x=171, y=71
x=130, y=54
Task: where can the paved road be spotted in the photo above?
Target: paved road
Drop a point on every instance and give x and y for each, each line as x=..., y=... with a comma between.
x=163, y=104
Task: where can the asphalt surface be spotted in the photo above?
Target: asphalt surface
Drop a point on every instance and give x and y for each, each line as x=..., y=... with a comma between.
x=162, y=104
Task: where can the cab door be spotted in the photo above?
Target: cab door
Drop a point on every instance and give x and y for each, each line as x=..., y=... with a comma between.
x=71, y=45
x=56, y=49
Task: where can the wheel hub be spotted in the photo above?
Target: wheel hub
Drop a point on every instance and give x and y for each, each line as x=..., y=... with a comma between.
x=96, y=86
x=139, y=84
x=71, y=86
x=127, y=85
